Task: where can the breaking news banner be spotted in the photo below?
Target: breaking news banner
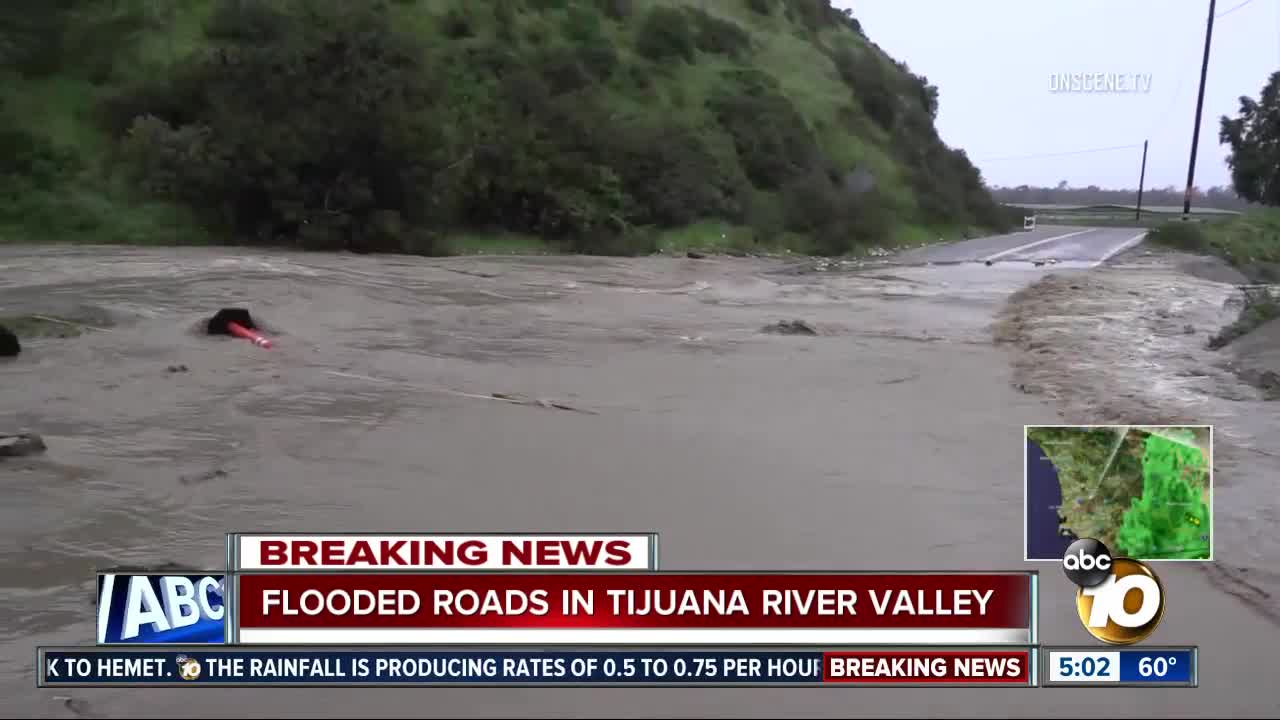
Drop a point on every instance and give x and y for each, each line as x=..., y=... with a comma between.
x=671, y=608
x=1146, y=666
x=477, y=552
x=168, y=608
x=231, y=667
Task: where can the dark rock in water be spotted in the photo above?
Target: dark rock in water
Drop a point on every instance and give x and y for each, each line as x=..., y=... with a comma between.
x=990, y=263
x=177, y=368
x=790, y=327
x=21, y=445
x=693, y=255
x=215, y=474
x=217, y=325
x=9, y=345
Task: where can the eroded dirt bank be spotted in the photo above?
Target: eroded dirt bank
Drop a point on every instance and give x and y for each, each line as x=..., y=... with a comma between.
x=1129, y=344
x=890, y=439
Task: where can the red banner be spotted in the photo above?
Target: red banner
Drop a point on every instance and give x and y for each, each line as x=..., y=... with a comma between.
x=928, y=667
x=978, y=608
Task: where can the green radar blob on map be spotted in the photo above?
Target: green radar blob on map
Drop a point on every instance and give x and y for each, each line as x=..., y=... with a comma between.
x=1171, y=520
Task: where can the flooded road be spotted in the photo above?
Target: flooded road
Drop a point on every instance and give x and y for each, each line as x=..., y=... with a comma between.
x=890, y=440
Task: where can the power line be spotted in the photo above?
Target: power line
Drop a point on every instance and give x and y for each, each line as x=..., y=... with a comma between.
x=1191, y=31
x=1064, y=153
x=1232, y=9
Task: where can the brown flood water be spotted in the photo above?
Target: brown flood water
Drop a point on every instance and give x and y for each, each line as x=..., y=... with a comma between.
x=892, y=440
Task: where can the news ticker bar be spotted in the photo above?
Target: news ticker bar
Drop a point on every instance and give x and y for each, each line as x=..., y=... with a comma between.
x=204, y=666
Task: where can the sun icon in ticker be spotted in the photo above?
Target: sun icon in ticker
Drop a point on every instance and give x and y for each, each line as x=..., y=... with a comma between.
x=188, y=668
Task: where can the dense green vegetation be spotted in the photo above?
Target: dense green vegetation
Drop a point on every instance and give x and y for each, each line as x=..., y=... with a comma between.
x=1250, y=242
x=1171, y=519
x=1254, y=138
x=612, y=126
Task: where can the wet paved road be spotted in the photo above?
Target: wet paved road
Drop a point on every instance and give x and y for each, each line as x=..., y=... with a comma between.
x=1073, y=245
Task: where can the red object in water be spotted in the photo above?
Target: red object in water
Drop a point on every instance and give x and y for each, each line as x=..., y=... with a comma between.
x=241, y=331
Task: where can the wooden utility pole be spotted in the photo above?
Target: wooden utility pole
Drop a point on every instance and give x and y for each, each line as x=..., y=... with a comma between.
x=1195, y=135
x=1142, y=179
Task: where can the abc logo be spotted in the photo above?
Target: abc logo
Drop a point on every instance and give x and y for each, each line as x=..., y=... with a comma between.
x=188, y=668
x=1120, y=600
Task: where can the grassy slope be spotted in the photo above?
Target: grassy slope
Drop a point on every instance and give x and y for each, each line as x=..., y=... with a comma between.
x=1250, y=241
x=142, y=35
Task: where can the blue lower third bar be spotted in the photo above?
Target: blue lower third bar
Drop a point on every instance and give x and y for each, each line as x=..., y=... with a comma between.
x=1156, y=666
x=196, y=666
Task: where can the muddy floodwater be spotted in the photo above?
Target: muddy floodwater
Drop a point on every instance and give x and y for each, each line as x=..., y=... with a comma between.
x=890, y=439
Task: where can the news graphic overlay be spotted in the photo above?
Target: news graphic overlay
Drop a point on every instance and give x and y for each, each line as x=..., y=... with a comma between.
x=476, y=552
x=1134, y=667
x=618, y=667
x=542, y=609
x=188, y=608
x=1146, y=491
x=1120, y=600
x=675, y=608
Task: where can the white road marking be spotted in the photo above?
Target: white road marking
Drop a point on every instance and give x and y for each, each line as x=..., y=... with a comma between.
x=1037, y=243
x=1121, y=247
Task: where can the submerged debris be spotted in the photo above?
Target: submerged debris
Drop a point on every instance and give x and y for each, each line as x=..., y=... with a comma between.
x=21, y=445
x=215, y=474
x=789, y=327
x=538, y=402
x=9, y=345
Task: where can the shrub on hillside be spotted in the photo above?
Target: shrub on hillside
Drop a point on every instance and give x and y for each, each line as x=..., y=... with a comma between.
x=816, y=15
x=617, y=9
x=563, y=70
x=457, y=23
x=258, y=150
x=715, y=35
x=31, y=160
x=246, y=23
x=177, y=97
x=582, y=26
x=31, y=35
x=837, y=220
x=666, y=34
x=773, y=142
x=764, y=7
x=871, y=83
x=671, y=174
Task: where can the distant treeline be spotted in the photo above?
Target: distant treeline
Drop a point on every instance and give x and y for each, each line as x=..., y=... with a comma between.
x=1221, y=197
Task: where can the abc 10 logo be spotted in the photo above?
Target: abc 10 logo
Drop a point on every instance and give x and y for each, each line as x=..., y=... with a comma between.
x=1120, y=600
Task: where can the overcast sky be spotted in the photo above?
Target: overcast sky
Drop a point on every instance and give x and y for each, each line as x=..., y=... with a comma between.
x=992, y=61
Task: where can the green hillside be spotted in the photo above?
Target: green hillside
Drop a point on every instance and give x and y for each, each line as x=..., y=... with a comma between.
x=429, y=126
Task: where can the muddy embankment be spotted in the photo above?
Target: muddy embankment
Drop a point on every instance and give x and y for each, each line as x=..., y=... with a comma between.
x=1133, y=343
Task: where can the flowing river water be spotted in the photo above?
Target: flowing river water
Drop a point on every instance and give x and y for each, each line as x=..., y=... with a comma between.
x=890, y=439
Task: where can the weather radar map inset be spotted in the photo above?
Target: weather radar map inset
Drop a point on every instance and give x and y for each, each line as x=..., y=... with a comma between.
x=1146, y=491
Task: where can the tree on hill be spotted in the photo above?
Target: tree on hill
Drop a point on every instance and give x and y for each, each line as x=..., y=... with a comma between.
x=1254, y=137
